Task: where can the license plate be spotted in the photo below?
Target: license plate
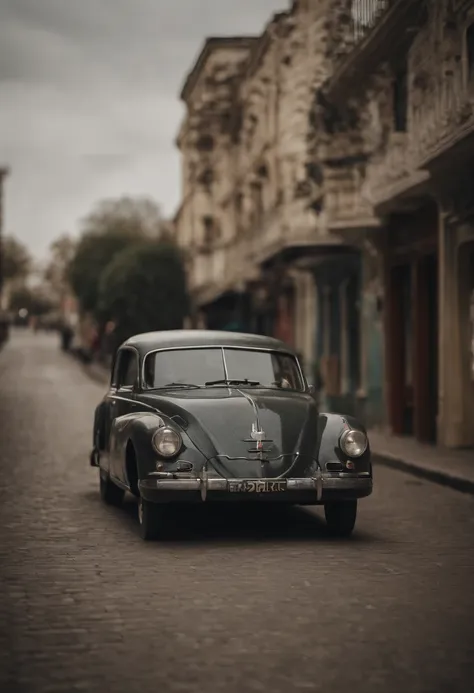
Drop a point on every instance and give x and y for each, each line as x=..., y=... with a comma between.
x=244, y=486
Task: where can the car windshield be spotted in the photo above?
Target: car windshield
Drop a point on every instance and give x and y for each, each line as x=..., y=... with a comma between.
x=202, y=367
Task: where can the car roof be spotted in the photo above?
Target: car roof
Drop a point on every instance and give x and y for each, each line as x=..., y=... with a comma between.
x=169, y=339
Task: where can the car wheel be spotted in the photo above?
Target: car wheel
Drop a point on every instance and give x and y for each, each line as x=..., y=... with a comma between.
x=341, y=517
x=110, y=493
x=149, y=518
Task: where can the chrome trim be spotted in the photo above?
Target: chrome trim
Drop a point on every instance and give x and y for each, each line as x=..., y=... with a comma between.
x=222, y=347
x=252, y=459
x=319, y=484
x=224, y=363
x=335, y=483
x=161, y=429
x=125, y=347
x=132, y=401
x=344, y=435
x=204, y=484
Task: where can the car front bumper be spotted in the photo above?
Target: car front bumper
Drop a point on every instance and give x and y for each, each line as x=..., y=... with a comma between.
x=304, y=491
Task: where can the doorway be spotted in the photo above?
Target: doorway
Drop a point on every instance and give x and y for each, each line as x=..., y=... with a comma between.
x=412, y=347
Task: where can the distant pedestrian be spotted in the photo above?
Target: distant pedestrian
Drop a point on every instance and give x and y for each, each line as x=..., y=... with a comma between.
x=66, y=337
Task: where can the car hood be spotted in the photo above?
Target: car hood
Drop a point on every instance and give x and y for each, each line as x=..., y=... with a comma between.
x=219, y=421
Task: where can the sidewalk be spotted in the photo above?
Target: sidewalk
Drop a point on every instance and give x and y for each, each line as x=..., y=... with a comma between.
x=453, y=468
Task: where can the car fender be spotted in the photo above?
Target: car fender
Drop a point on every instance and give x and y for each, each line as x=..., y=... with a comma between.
x=98, y=429
x=330, y=428
x=138, y=429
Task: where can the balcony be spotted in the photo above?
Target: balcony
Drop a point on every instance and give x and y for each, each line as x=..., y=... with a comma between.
x=377, y=29
x=393, y=175
x=291, y=231
x=443, y=121
x=346, y=208
x=221, y=269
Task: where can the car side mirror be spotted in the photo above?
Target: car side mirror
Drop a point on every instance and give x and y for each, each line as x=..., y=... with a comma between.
x=312, y=390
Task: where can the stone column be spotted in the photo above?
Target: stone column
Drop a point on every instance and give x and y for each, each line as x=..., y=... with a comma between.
x=450, y=424
x=344, y=363
x=305, y=316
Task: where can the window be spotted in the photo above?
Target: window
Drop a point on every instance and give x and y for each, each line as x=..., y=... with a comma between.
x=209, y=230
x=271, y=369
x=126, y=369
x=198, y=366
x=205, y=143
x=471, y=312
x=470, y=52
x=400, y=100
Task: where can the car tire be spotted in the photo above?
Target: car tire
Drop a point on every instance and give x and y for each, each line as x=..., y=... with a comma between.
x=341, y=517
x=110, y=493
x=150, y=519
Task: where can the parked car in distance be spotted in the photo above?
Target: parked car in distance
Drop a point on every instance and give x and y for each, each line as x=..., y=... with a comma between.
x=197, y=416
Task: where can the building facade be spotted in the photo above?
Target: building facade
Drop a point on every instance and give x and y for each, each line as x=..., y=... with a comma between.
x=401, y=90
x=328, y=199
x=269, y=263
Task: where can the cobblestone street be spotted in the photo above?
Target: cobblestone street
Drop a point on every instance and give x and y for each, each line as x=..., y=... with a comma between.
x=274, y=605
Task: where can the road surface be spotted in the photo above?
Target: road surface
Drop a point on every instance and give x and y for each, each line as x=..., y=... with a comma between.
x=228, y=603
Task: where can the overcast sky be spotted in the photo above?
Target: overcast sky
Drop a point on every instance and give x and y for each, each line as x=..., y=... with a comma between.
x=89, y=101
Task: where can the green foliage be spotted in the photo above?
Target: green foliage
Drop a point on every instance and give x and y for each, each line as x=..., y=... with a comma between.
x=62, y=252
x=16, y=260
x=31, y=299
x=110, y=228
x=144, y=289
x=93, y=254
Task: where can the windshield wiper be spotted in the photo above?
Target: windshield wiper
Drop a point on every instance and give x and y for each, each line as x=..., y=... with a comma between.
x=233, y=381
x=169, y=385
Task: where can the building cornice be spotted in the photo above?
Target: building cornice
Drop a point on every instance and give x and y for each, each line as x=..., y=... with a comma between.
x=212, y=44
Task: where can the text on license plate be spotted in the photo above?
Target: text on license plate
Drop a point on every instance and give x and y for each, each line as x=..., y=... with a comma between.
x=244, y=486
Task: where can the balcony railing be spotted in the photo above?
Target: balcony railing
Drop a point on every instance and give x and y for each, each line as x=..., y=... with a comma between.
x=444, y=116
x=365, y=14
x=346, y=208
x=376, y=28
x=394, y=174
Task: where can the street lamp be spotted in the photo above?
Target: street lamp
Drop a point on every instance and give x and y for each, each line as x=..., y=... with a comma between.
x=4, y=172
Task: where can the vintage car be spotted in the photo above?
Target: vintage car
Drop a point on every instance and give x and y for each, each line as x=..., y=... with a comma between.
x=202, y=416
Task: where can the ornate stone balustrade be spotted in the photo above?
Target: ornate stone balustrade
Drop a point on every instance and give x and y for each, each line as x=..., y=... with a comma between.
x=345, y=206
x=442, y=118
x=392, y=174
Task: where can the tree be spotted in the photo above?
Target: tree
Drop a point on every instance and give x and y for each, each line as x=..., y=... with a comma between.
x=135, y=216
x=61, y=254
x=144, y=289
x=110, y=228
x=16, y=260
x=31, y=299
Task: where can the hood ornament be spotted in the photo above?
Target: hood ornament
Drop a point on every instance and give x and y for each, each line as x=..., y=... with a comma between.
x=258, y=436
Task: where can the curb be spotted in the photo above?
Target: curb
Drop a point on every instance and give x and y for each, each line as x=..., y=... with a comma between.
x=458, y=483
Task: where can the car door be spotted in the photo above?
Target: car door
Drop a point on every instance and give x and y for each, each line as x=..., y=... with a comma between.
x=122, y=402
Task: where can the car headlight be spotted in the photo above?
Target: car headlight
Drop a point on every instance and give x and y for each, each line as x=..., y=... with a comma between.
x=167, y=442
x=353, y=443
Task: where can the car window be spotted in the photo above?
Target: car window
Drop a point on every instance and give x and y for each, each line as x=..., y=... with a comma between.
x=192, y=366
x=127, y=368
x=271, y=369
x=198, y=366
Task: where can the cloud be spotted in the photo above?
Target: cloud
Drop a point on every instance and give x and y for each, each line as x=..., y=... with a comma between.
x=89, y=105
